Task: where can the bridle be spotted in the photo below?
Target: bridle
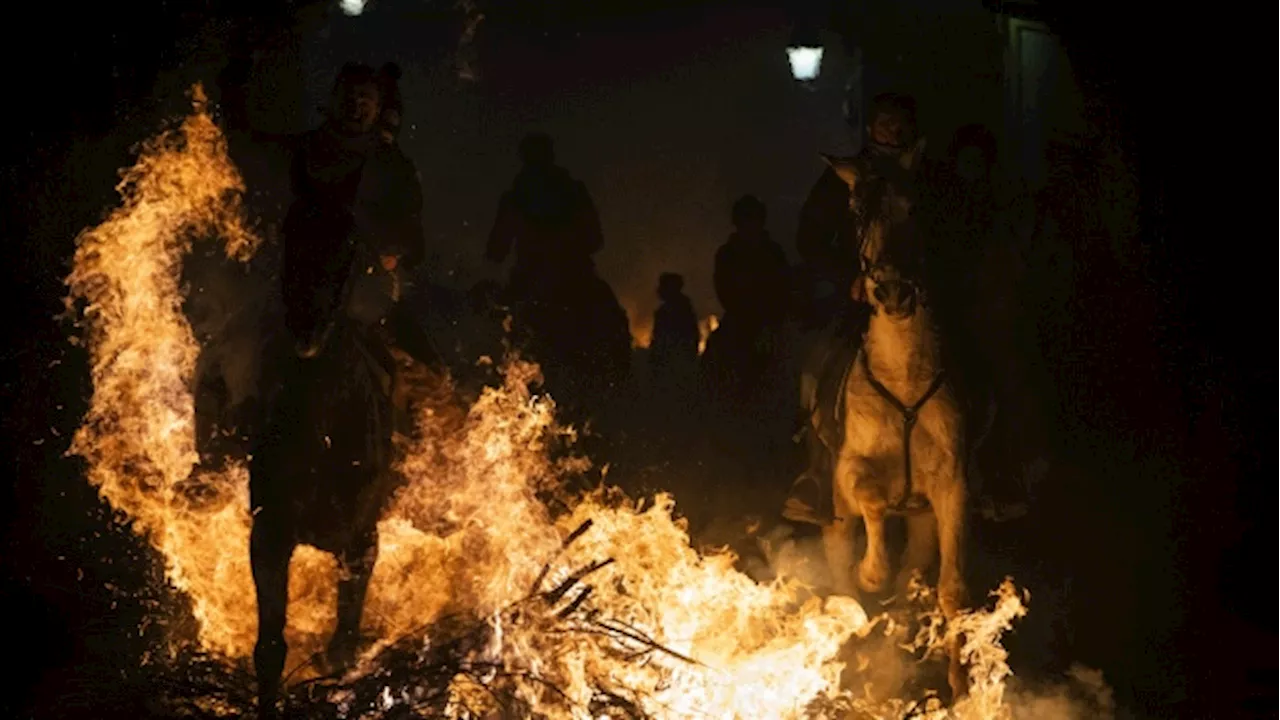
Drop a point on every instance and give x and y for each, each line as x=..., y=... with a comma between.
x=910, y=413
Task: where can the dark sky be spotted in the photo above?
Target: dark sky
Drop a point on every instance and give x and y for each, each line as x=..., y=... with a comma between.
x=667, y=123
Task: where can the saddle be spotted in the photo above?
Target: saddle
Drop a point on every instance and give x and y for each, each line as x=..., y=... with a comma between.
x=840, y=350
x=810, y=497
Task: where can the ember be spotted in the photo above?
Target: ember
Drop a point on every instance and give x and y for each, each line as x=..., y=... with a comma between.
x=485, y=595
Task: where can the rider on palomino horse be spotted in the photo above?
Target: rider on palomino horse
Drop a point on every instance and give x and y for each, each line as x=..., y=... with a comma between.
x=829, y=241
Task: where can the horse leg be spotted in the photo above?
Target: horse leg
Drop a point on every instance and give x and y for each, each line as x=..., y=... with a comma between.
x=837, y=537
x=873, y=571
x=270, y=549
x=922, y=547
x=838, y=546
x=357, y=570
x=949, y=508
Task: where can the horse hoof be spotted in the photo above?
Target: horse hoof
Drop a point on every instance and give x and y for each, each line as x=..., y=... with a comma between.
x=340, y=656
x=873, y=581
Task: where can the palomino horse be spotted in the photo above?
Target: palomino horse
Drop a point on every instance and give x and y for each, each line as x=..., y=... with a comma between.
x=900, y=436
x=903, y=452
x=320, y=473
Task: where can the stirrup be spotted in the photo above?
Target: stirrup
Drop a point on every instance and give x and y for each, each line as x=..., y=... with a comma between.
x=796, y=509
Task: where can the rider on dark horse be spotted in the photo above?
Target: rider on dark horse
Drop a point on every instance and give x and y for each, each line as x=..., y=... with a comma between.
x=351, y=233
x=550, y=221
x=828, y=243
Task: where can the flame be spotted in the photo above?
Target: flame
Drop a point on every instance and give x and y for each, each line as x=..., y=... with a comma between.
x=641, y=330
x=471, y=531
x=705, y=328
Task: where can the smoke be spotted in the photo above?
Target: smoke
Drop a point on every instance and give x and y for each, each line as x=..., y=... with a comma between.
x=1082, y=695
x=883, y=669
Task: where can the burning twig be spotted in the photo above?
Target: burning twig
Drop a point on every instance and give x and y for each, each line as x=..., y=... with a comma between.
x=577, y=603
x=577, y=533
x=554, y=596
x=635, y=635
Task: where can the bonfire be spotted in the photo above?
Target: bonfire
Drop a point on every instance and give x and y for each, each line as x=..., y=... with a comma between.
x=499, y=592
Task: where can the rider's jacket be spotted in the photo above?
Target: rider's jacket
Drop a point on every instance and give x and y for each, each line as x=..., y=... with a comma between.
x=355, y=199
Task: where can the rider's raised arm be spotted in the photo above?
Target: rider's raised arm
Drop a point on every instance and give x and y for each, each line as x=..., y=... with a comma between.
x=233, y=86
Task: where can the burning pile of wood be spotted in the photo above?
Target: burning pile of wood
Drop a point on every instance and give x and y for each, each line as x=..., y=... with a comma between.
x=443, y=671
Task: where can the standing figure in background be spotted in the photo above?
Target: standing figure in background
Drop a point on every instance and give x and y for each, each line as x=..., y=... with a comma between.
x=751, y=271
x=673, y=351
x=751, y=282
x=980, y=229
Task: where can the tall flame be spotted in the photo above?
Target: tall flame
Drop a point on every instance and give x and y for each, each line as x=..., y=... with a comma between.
x=469, y=533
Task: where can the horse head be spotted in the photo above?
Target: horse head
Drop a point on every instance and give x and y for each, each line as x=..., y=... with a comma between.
x=895, y=284
x=883, y=195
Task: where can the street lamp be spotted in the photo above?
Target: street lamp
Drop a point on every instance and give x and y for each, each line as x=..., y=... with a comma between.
x=806, y=62
x=804, y=52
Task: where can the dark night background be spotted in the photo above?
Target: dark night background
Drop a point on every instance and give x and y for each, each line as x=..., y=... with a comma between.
x=669, y=110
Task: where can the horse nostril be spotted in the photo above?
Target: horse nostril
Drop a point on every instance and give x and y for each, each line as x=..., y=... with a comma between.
x=880, y=293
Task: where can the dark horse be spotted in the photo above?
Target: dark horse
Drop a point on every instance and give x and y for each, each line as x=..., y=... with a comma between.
x=578, y=332
x=320, y=472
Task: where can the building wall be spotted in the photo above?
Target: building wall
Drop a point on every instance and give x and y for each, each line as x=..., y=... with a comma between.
x=950, y=60
x=1042, y=99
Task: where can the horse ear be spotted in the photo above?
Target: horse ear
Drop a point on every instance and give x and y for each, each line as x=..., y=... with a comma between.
x=910, y=160
x=845, y=167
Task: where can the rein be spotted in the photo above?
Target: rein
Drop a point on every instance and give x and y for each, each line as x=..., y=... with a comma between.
x=910, y=414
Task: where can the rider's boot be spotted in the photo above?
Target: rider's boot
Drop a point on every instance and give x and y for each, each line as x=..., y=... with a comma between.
x=810, y=497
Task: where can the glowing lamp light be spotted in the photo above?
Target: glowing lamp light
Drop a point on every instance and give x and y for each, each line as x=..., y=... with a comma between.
x=352, y=7
x=805, y=61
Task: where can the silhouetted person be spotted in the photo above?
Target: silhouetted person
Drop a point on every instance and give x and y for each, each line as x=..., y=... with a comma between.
x=576, y=325
x=673, y=349
x=354, y=229
x=550, y=220
x=979, y=232
x=751, y=270
x=751, y=281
